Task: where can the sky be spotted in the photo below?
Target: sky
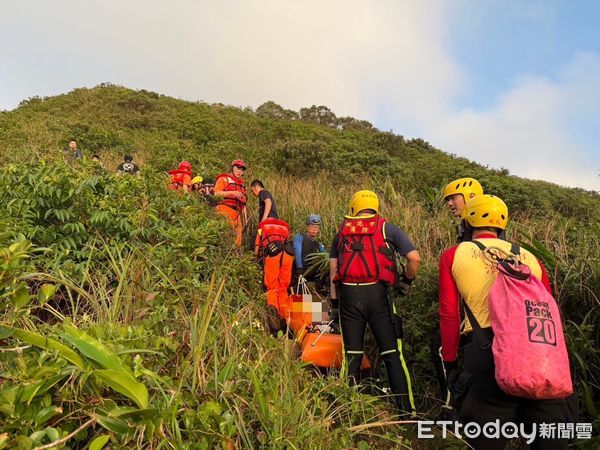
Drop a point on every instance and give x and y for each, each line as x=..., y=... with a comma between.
x=510, y=84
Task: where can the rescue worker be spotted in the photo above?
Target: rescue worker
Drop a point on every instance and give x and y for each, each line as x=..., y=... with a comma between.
x=277, y=259
x=362, y=267
x=306, y=244
x=205, y=188
x=196, y=183
x=266, y=203
x=181, y=178
x=456, y=194
x=231, y=188
x=465, y=274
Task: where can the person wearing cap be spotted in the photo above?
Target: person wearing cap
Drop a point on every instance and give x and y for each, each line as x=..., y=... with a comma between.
x=231, y=189
x=362, y=269
x=306, y=244
x=128, y=166
x=266, y=203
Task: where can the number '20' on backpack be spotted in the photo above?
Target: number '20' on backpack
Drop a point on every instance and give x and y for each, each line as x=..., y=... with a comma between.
x=530, y=354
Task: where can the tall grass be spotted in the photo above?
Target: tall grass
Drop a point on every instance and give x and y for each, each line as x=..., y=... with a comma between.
x=184, y=313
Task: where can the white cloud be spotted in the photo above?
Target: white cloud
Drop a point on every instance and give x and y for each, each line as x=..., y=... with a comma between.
x=354, y=56
x=386, y=61
x=532, y=128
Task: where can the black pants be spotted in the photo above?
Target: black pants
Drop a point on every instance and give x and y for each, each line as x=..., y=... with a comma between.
x=479, y=399
x=360, y=305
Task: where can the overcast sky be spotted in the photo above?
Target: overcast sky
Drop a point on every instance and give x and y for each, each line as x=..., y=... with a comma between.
x=512, y=84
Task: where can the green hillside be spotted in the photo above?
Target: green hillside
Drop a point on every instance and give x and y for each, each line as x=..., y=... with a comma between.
x=126, y=311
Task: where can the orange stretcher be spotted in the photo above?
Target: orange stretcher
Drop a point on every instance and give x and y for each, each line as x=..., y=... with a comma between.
x=320, y=341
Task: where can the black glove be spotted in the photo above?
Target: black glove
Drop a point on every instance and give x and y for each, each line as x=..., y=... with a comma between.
x=334, y=311
x=403, y=285
x=299, y=271
x=274, y=248
x=334, y=315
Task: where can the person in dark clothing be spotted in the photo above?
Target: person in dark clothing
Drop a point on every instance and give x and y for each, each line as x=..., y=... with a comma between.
x=73, y=151
x=362, y=267
x=266, y=203
x=128, y=166
x=306, y=244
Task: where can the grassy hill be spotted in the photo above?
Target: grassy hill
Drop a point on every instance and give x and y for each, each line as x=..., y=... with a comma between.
x=126, y=310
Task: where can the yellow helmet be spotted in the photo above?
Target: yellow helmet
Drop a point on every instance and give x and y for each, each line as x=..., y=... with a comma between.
x=196, y=180
x=468, y=187
x=486, y=211
x=364, y=200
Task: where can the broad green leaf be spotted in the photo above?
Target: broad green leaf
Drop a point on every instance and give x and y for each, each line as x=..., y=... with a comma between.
x=37, y=436
x=124, y=383
x=21, y=297
x=30, y=391
x=46, y=343
x=53, y=434
x=23, y=442
x=362, y=445
x=45, y=414
x=94, y=349
x=99, y=442
x=46, y=292
x=9, y=395
x=113, y=424
x=6, y=332
x=123, y=412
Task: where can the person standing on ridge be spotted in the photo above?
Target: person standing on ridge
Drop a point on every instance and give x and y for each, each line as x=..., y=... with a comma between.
x=266, y=203
x=128, y=166
x=73, y=151
x=464, y=274
x=362, y=268
x=231, y=188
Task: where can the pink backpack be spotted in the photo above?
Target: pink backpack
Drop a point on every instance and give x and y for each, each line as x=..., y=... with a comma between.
x=530, y=354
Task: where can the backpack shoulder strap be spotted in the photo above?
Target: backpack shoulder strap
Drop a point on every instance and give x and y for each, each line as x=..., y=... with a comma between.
x=514, y=248
x=478, y=334
x=479, y=244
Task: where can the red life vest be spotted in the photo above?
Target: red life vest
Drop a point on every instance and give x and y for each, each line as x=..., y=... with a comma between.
x=273, y=230
x=364, y=254
x=177, y=178
x=233, y=184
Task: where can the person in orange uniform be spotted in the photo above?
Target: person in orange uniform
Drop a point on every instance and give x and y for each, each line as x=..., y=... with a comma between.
x=231, y=188
x=181, y=178
x=465, y=276
x=272, y=243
